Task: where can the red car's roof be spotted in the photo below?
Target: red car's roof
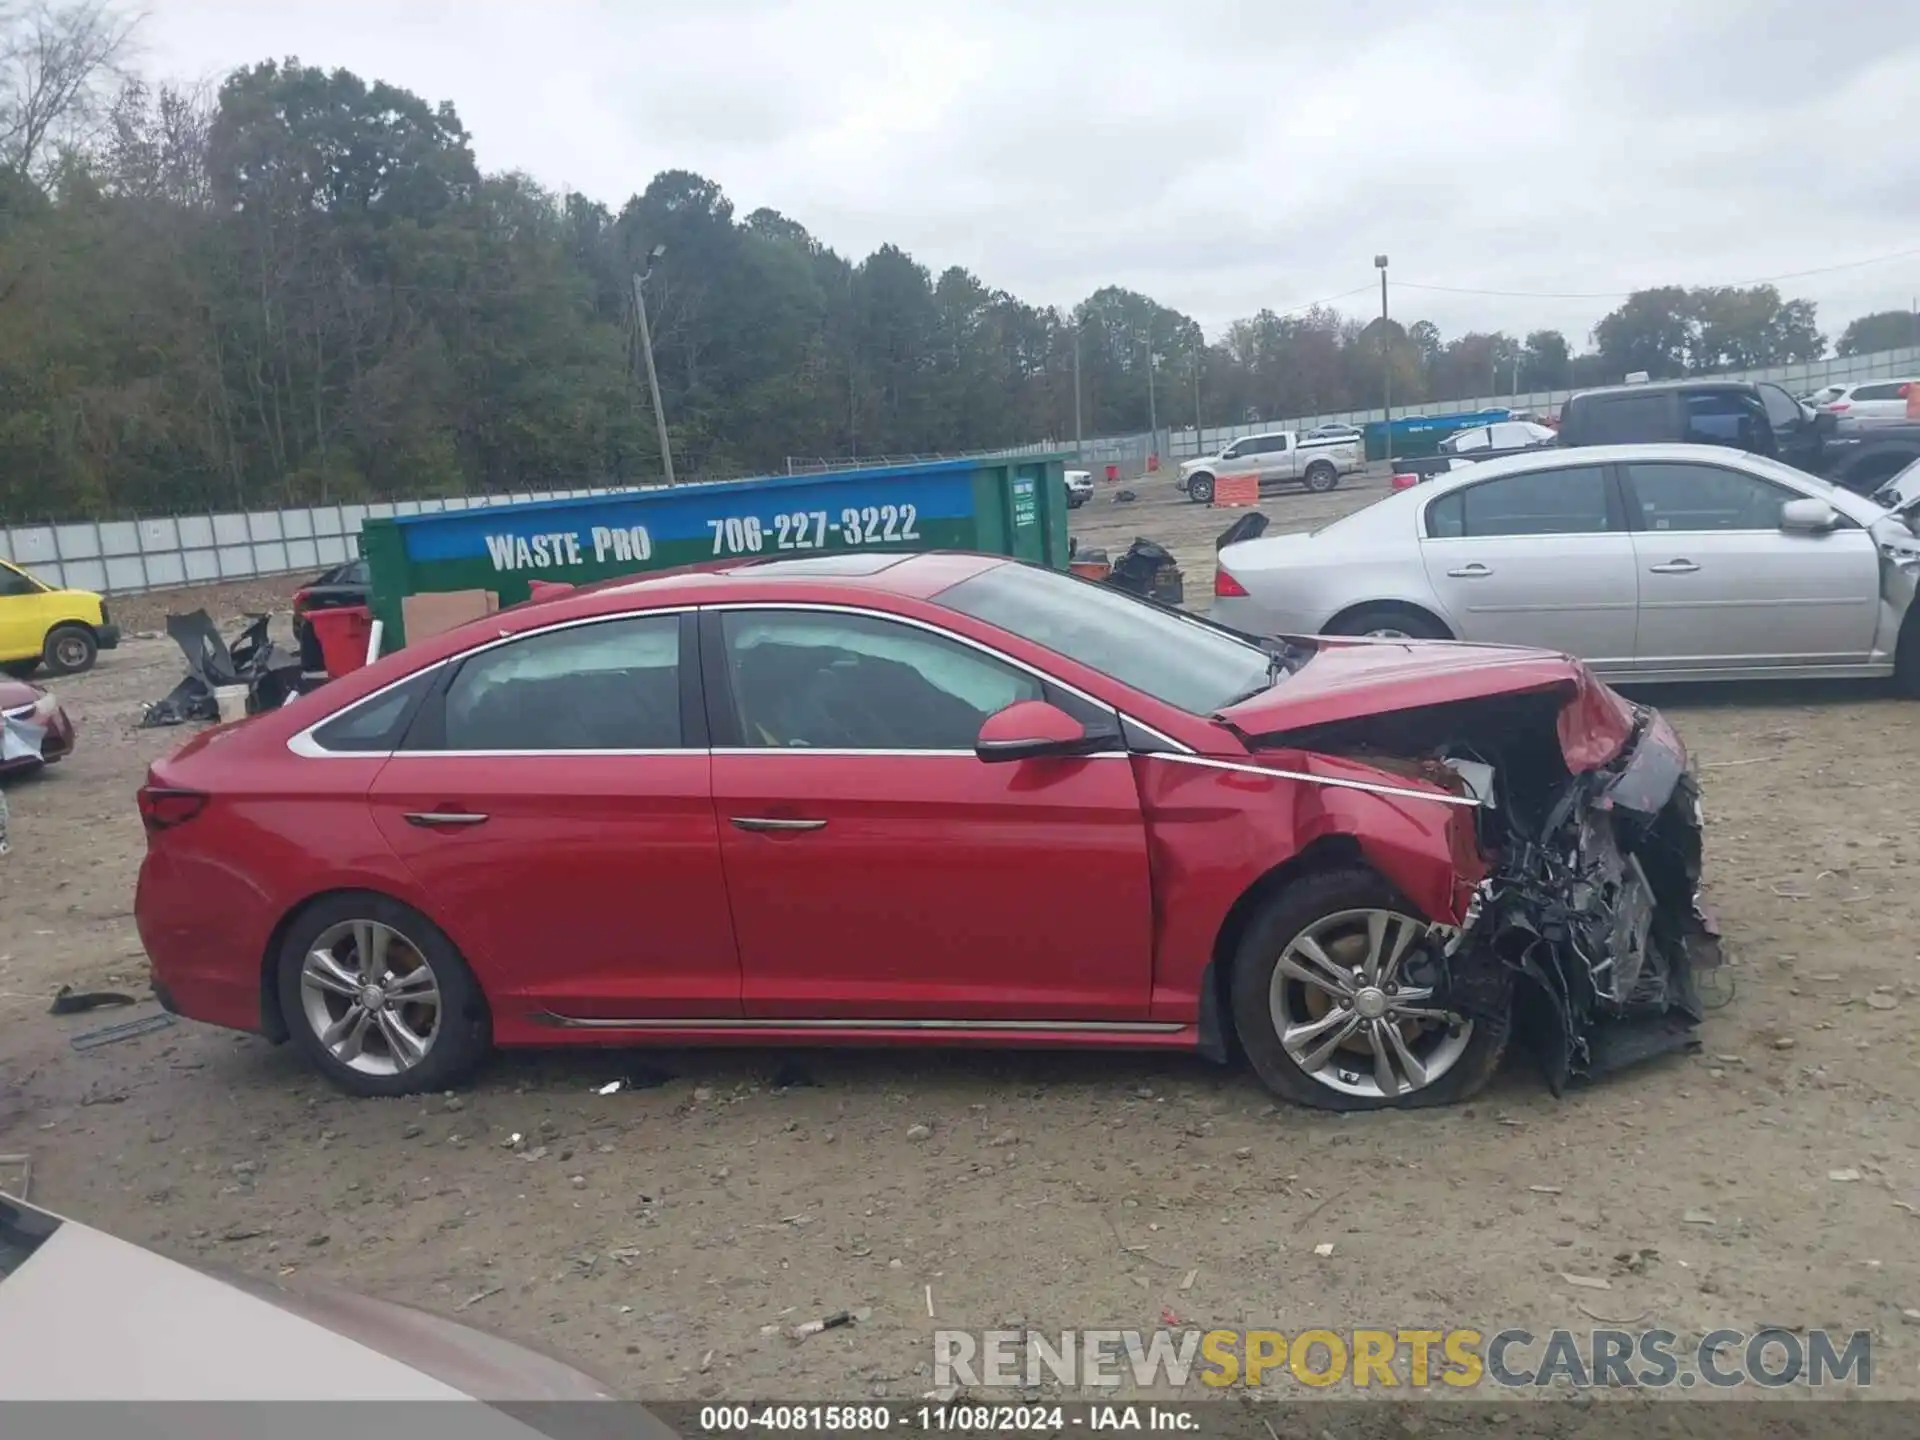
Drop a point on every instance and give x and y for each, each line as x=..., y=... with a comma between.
x=919, y=576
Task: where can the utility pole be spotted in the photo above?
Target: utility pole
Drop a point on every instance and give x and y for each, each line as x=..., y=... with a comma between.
x=653, y=375
x=1076, y=387
x=1153, y=413
x=1199, y=449
x=1386, y=362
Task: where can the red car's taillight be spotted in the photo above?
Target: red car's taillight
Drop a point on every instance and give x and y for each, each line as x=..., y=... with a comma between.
x=163, y=807
x=301, y=599
x=1405, y=482
x=1225, y=584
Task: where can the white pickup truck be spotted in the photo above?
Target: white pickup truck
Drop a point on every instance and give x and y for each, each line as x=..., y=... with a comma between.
x=1280, y=457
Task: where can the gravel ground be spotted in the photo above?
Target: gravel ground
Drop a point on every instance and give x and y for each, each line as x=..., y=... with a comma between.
x=653, y=1234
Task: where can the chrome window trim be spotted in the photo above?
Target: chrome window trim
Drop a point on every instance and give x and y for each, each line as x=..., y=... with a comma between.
x=304, y=745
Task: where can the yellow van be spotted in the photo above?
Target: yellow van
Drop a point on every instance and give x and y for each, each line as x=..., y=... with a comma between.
x=63, y=630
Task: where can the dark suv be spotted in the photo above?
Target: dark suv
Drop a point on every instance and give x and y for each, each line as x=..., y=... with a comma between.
x=1758, y=417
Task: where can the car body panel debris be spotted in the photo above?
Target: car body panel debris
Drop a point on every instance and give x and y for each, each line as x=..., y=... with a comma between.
x=254, y=662
x=34, y=729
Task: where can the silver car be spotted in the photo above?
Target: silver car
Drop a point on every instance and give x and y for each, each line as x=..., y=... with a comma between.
x=86, y=1316
x=1650, y=562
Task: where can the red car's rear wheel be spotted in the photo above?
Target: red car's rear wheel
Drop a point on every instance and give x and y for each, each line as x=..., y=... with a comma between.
x=379, y=999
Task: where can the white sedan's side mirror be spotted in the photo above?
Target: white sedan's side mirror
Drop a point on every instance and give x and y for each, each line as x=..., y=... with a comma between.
x=1808, y=516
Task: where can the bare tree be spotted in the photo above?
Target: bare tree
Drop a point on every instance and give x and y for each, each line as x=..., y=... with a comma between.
x=59, y=64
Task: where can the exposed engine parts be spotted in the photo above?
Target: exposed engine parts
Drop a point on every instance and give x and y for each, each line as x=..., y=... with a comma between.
x=1586, y=927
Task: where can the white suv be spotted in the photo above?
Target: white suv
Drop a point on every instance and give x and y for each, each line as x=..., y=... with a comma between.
x=1866, y=400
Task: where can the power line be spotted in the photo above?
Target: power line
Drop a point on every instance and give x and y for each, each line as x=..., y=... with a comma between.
x=1315, y=304
x=1623, y=294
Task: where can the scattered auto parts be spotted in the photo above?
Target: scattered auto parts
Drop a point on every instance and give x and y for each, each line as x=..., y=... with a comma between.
x=252, y=661
x=1586, y=927
x=34, y=730
x=1148, y=569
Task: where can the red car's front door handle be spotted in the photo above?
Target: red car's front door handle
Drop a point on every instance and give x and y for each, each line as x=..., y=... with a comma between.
x=755, y=822
x=434, y=819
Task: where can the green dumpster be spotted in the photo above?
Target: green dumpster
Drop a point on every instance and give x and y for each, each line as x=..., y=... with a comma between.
x=1006, y=507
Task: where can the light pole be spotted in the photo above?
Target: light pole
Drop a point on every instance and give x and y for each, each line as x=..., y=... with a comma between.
x=1076, y=387
x=1199, y=449
x=646, y=344
x=1153, y=413
x=1386, y=363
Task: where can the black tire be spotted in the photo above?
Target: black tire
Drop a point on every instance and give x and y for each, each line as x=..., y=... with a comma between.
x=1200, y=488
x=1906, y=657
x=20, y=669
x=312, y=658
x=69, y=650
x=1288, y=915
x=1321, y=477
x=1388, y=622
x=465, y=1032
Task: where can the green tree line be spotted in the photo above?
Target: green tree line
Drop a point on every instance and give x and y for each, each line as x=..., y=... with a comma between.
x=303, y=288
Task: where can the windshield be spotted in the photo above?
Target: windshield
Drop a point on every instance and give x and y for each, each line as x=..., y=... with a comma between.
x=1903, y=490
x=1157, y=652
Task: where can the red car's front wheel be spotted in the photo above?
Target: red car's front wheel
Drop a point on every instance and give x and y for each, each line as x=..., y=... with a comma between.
x=1328, y=1016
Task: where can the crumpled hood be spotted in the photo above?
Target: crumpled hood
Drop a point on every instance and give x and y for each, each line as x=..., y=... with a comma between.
x=15, y=693
x=1347, y=679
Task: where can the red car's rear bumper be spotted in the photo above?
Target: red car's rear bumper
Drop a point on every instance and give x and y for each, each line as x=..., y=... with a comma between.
x=206, y=952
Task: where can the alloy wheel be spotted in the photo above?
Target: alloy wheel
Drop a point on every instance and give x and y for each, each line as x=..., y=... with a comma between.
x=371, y=997
x=1346, y=1016
x=1387, y=632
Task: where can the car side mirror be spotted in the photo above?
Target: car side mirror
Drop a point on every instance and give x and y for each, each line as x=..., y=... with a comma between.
x=1034, y=730
x=1808, y=516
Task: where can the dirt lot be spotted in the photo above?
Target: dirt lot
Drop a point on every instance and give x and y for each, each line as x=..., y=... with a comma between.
x=653, y=1233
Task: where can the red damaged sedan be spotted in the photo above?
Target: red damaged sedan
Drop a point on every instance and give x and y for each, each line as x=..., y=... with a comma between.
x=935, y=799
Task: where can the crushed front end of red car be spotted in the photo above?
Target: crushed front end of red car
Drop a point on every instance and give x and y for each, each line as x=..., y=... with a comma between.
x=1586, y=926
x=34, y=730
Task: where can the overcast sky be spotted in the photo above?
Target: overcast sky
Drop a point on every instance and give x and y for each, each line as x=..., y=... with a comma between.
x=1220, y=157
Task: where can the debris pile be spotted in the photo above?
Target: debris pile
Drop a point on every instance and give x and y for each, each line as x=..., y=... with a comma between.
x=1148, y=569
x=270, y=677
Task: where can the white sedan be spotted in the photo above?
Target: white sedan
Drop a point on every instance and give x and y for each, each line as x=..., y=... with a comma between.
x=1650, y=562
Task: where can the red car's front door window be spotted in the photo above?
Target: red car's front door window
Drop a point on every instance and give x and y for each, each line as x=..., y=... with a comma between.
x=592, y=888
x=879, y=869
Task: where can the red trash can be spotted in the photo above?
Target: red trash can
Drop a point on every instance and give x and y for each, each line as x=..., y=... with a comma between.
x=343, y=633
x=1113, y=474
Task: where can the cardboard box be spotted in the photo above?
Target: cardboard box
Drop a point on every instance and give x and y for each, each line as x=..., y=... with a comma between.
x=435, y=612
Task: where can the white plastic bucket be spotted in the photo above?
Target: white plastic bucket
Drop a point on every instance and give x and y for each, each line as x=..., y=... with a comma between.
x=232, y=700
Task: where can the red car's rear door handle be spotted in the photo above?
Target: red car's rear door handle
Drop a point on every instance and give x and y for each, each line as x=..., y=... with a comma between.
x=755, y=822
x=436, y=819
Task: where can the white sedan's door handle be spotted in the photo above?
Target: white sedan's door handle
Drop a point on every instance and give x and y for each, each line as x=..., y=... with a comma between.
x=1470, y=572
x=1676, y=567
